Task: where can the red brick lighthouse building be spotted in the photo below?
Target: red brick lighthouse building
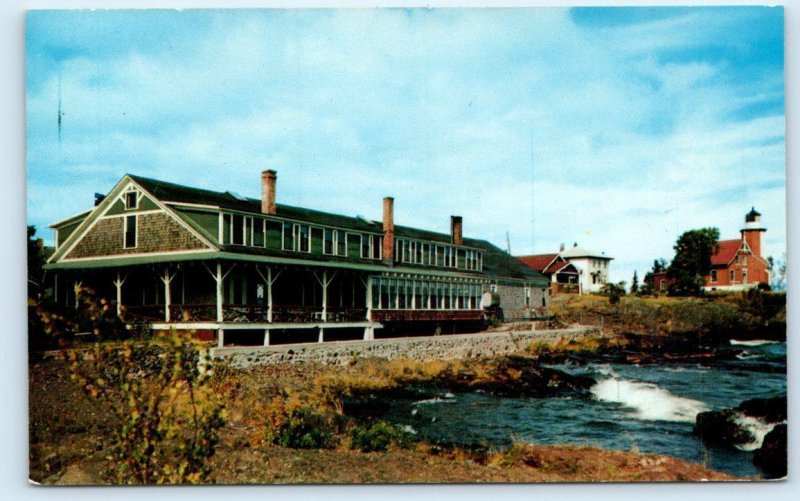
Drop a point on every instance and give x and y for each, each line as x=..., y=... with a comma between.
x=737, y=264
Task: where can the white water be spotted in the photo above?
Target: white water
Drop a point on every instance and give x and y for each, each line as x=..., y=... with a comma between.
x=754, y=342
x=648, y=401
x=436, y=400
x=758, y=428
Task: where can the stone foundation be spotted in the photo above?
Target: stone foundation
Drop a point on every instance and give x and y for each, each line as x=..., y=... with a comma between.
x=418, y=348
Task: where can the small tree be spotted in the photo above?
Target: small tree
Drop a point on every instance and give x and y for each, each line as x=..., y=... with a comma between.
x=635, y=283
x=777, y=272
x=692, y=260
x=648, y=285
x=613, y=291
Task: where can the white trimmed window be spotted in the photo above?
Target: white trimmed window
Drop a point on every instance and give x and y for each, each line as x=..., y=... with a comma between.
x=328, y=246
x=371, y=246
x=130, y=233
x=131, y=200
x=713, y=275
x=732, y=275
x=302, y=238
x=334, y=242
x=296, y=237
x=340, y=242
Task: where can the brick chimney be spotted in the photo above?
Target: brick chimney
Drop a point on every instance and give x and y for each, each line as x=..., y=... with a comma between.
x=456, y=230
x=388, y=230
x=268, y=179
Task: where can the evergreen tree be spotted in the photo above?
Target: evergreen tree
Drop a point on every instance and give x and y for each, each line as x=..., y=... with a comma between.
x=635, y=283
x=35, y=264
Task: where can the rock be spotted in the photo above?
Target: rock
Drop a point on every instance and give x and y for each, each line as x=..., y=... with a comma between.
x=771, y=410
x=743, y=427
x=771, y=457
x=517, y=376
x=721, y=427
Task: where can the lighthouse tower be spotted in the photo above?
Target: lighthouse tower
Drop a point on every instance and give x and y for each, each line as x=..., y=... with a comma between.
x=751, y=233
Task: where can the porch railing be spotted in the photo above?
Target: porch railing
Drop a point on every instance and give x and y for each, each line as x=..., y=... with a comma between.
x=150, y=312
x=244, y=313
x=426, y=315
x=193, y=312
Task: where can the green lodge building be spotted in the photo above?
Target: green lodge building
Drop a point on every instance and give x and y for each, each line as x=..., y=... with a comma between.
x=237, y=270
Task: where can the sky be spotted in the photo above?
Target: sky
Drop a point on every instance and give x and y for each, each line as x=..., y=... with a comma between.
x=616, y=129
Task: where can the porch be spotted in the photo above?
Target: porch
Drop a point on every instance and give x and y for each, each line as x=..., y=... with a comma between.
x=267, y=303
x=213, y=297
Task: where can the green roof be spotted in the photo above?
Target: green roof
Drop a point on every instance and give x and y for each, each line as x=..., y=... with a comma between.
x=496, y=263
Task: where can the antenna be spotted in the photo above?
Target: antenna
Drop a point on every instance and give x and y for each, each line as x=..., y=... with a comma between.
x=508, y=243
x=60, y=114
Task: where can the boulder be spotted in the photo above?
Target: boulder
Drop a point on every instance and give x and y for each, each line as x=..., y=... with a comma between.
x=771, y=457
x=721, y=427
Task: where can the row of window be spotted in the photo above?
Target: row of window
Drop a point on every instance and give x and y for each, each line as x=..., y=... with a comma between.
x=406, y=294
x=238, y=229
x=447, y=256
x=731, y=276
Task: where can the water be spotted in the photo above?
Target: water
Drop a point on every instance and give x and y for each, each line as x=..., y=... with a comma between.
x=649, y=408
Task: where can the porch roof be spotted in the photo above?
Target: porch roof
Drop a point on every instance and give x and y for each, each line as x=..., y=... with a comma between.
x=121, y=261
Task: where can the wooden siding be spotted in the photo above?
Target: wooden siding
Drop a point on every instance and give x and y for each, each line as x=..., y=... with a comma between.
x=157, y=232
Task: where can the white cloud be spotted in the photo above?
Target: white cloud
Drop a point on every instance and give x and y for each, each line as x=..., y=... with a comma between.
x=504, y=117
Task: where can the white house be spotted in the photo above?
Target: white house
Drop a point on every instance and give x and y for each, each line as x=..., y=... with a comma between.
x=593, y=268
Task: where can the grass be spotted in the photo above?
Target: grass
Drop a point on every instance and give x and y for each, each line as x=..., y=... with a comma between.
x=711, y=316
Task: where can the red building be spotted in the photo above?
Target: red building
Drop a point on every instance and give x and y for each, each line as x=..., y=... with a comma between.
x=562, y=274
x=736, y=265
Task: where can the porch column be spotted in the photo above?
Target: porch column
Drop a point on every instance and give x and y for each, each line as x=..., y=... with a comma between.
x=118, y=284
x=324, y=282
x=77, y=288
x=266, y=337
x=269, y=303
x=324, y=300
x=321, y=335
x=219, y=280
x=167, y=279
x=369, y=298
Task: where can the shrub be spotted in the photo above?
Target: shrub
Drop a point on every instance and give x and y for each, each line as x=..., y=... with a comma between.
x=291, y=423
x=163, y=414
x=378, y=437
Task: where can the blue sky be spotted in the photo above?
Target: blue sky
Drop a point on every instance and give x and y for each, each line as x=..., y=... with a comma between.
x=614, y=128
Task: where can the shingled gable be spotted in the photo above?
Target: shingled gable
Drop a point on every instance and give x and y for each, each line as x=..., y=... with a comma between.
x=102, y=209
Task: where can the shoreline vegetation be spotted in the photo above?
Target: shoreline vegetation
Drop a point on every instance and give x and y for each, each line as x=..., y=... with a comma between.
x=306, y=422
